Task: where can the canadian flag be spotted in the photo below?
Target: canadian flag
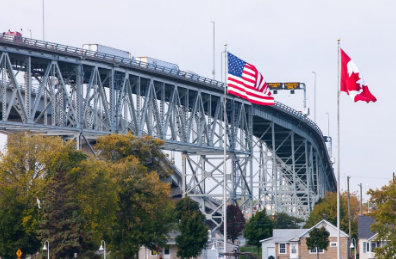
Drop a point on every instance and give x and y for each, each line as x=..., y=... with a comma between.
x=352, y=81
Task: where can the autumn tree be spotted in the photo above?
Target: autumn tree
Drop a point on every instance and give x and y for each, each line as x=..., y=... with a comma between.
x=328, y=206
x=318, y=239
x=384, y=219
x=235, y=222
x=39, y=174
x=283, y=220
x=145, y=216
x=76, y=211
x=193, y=232
x=21, y=170
x=259, y=227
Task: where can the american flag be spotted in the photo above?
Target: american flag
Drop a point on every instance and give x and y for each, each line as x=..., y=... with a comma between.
x=245, y=81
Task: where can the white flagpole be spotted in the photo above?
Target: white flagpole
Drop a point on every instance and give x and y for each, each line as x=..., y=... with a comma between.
x=225, y=152
x=338, y=157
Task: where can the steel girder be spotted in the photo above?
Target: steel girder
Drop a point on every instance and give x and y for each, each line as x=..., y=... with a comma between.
x=276, y=159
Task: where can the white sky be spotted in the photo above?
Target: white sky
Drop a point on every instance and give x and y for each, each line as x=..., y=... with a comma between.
x=285, y=40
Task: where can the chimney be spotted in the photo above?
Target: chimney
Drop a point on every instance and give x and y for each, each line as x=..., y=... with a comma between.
x=324, y=216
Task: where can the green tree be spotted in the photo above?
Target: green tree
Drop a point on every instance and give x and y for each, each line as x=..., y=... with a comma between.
x=318, y=239
x=235, y=222
x=193, y=232
x=185, y=205
x=384, y=219
x=14, y=232
x=259, y=227
x=145, y=215
x=283, y=220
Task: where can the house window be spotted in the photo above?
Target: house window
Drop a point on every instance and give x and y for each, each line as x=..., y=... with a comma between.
x=373, y=246
x=313, y=251
x=365, y=247
x=166, y=252
x=333, y=244
x=282, y=248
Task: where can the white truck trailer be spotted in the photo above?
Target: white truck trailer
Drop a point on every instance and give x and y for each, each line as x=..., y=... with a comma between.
x=157, y=62
x=107, y=50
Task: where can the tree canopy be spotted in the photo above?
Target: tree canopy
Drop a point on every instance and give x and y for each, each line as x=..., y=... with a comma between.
x=384, y=219
x=22, y=166
x=283, y=220
x=318, y=239
x=259, y=227
x=145, y=215
x=193, y=232
x=73, y=212
x=235, y=222
x=49, y=190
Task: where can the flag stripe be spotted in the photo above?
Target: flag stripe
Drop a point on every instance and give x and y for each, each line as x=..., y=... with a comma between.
x=245, y=81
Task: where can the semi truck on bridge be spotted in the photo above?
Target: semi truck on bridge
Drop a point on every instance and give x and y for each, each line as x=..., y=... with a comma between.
x=107, y=50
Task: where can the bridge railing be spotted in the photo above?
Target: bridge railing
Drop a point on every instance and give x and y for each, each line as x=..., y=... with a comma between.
x=108, y=57
x=299, y=116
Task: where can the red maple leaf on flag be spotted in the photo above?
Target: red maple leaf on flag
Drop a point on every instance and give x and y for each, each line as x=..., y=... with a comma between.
x=352, y=81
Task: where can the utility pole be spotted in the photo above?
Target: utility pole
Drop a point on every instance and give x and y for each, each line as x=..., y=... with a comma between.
x=349, y=207
x=361, y=197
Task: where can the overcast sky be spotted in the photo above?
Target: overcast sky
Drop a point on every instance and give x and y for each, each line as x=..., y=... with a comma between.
x=285, y=40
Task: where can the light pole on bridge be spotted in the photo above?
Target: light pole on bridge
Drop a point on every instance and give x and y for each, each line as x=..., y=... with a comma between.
x=214, y=60
x=314, y=95
x=43, y=23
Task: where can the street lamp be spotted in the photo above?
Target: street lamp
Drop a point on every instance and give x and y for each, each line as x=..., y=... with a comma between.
x=103, y=248
x=45, y=248
x=353, y=246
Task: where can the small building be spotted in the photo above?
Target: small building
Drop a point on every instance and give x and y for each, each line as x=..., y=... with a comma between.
x=292, y=244
x=367, y=239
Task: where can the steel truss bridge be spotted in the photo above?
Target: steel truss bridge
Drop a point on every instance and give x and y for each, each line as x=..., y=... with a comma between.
x=276, y=157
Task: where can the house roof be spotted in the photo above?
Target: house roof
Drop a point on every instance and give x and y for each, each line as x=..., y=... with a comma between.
x=294, y=235
x=265, y=240
x=321, y=223
x=373, y=237
x=364, y=223
x=287, y=235
x=172, y=237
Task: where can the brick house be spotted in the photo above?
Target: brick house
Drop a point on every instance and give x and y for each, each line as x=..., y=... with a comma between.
x=291, y=244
